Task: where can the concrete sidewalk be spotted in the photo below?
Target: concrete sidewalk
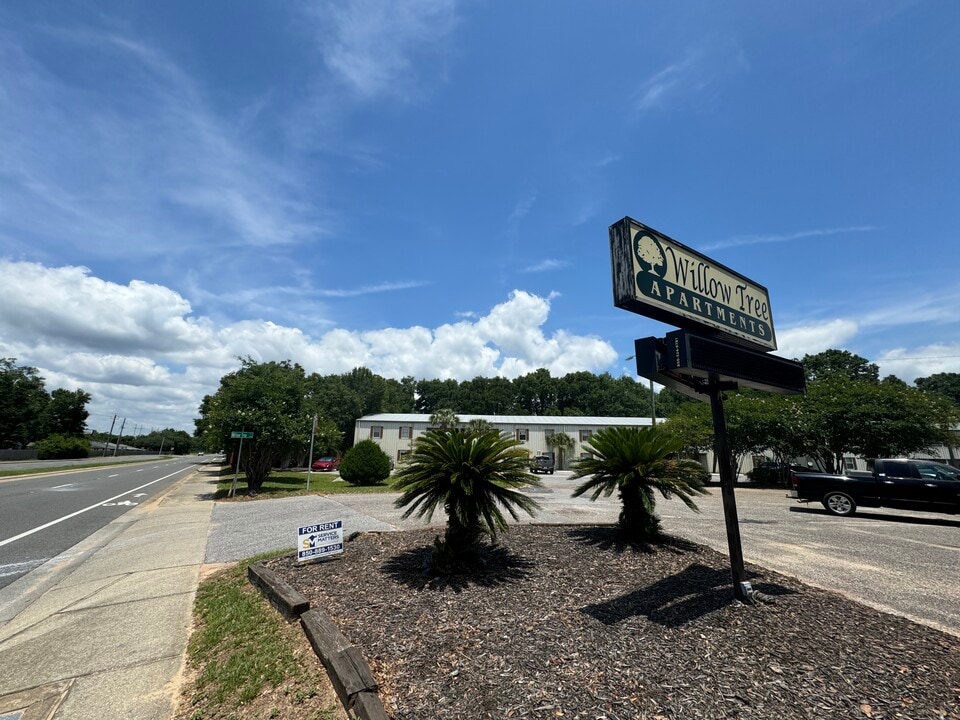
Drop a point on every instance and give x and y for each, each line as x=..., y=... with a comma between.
x=100, y=631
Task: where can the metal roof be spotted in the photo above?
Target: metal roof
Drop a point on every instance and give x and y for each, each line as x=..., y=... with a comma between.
x=515, y=419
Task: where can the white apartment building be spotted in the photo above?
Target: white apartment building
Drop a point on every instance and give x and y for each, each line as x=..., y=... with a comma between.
x=395, y=432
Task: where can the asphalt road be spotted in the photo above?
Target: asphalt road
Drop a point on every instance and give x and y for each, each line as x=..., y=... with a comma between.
x=44, y=515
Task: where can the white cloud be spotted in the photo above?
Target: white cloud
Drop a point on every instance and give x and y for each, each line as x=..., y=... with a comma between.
x=803, y=340
x=141, y=353
x=88, y=312
x=909, y=364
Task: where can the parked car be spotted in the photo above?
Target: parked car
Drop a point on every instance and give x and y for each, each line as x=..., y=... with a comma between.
x=542, y=464
x=898, y=483
x=328, y=463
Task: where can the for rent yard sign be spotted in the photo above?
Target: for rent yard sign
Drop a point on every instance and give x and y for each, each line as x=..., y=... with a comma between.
x=320, y=540
x=656, y=276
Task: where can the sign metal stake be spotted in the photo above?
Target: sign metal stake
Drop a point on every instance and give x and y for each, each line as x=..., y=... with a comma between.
x=741, y=586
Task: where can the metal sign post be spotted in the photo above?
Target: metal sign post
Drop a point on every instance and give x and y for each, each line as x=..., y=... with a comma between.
x=238, y=434
x=313, y=432
x=741, y=586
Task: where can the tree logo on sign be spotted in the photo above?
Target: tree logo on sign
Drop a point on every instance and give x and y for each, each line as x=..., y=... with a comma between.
x=650, y=255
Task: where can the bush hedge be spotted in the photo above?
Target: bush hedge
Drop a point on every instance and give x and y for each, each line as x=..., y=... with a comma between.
x=365, y=464
x=62, y=447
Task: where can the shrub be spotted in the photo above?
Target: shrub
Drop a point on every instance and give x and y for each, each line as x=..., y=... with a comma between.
x=62, y=447
x=365, y=464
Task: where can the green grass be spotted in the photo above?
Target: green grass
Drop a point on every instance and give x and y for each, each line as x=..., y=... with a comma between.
x=242, y=647
x=285, y=484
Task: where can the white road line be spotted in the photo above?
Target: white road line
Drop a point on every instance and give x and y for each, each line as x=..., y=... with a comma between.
x=86, y=509
x=114, y=475
x=57, y=487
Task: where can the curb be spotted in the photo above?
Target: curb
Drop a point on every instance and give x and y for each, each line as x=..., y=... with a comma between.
x=348, y=671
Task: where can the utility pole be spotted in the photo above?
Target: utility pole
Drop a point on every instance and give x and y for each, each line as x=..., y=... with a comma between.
x=162, y=440
x=119, y=436
x=109, y=436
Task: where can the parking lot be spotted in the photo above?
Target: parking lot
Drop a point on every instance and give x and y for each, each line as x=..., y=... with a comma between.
x=896, y=561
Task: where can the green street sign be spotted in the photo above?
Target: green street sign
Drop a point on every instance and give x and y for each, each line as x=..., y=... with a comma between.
x=241, y=434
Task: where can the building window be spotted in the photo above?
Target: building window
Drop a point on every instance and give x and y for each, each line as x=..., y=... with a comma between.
x=406, y=432
x=523, y=435
x=376, y=431
x=585, y=435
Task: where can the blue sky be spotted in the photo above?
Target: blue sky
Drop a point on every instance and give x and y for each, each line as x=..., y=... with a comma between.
x=424, y=188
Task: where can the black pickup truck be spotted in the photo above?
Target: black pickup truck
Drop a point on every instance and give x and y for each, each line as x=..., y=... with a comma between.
x=542, y=464
x=900, y=483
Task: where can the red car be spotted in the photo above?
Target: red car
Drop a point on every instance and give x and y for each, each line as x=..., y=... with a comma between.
x=326, y=464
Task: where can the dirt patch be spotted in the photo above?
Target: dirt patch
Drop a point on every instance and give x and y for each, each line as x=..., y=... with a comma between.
x=568, y=623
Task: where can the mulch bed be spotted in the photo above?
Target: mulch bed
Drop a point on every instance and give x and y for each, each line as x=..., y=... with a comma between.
x=568, y=623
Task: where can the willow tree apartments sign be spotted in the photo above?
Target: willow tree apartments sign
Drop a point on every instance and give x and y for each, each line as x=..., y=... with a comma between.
x=656, y=276
x=727, y=329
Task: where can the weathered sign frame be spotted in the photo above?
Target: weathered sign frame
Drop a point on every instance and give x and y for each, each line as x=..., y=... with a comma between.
x=691, y=290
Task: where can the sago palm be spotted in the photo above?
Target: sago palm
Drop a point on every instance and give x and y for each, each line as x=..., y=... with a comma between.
x=636, y=462
x=471, y=476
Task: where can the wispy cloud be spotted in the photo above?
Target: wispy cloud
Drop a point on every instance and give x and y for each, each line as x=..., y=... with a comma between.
x=370, y=289
x=155, y=170
x=937, y=307
x=656, y=88
x=789, y=237
x=700, y=72
x=372, y=45
x=547, y=266
x=521, y=209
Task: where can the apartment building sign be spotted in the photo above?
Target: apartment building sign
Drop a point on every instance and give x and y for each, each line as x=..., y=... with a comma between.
x=656, y=276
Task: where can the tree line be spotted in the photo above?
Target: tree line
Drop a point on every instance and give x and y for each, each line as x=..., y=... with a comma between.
x=847, y=409
x=177, y=442
x=28, y=413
